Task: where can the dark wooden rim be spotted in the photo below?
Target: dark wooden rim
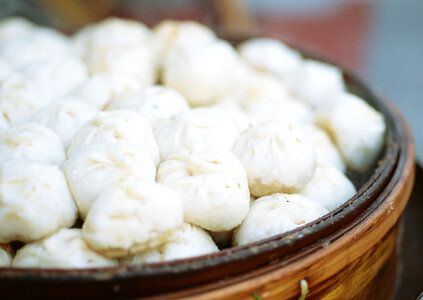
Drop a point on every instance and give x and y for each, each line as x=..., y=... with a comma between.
x=177, y=274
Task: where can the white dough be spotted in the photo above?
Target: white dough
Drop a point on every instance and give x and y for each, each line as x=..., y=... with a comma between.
x=13, y=27
x=120, y=47
x=100, y=89
x=63, y=250
x=115, y=126
x=5, y=255
x=203, y=72
x=34, y=142
x=326, y=151
x=317, y=83
x=329, y=187
x=34, y=201
x=112, y=32
x=196, y=130
x=154, y=103
x=186, y=242
x=271, y=55
x=276, y=214
x=357, y=129
x=213, y=187
x=65, y=117
x=267, y=98
x=95, y=167
x=167, y=33
x=277, y=156
x=35, y=46
x=21, y=99
x=132, y=216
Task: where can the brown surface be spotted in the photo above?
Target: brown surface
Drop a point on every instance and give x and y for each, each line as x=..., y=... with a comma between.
x=410, y=275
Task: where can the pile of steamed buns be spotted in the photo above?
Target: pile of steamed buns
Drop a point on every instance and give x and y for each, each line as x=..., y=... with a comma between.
x=167, y=143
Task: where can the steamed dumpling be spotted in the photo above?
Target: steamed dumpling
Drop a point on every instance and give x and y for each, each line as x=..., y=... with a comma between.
x=65, y=117
x=32, y=141
x=63, y=249
x=276, y=214
x=203, y=72
x=112, y=127
x=357, y=129
x=213, y=187
x=95, y=167
x=154, y=103
x=277, y=156
x=132, y=216
x=329, y=187
x=196, y=130
x=34, y=201
x=187, y=241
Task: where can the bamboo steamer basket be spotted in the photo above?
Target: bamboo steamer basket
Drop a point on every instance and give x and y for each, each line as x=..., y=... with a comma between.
x=349, y=253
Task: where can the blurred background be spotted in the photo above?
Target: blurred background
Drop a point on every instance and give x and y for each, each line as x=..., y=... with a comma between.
x=380, y=40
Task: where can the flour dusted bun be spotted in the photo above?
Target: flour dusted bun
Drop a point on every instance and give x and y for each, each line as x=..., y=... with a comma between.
x=326, y=151
x=317, y=83
x=120, y=47
x=13, y=27
x=329, y=187
x=271, y=55
x=100, y=89
x=95, y=167
x=32, y=141
x=111, y=127
x=5, y=255
x=196, y=130
x=34, y=201
x=167, y=33
x=186, y=241
x=63, y=249
x=132, y=216
x=267, y=98
x=65, y=117
x=35, y=46
x=276, y=214
x=277, y=156
x=110, y=32
x=20, y=99
x=357, y=129
x=154, y=103
x=203, y=72
x=213, y=187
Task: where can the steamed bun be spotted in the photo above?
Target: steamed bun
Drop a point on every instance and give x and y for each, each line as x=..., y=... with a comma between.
x=271, y=55
x=65, y=117
x=132, y=216
x=32, y=141
x=213, y=187
x=357, y=129
x=64, y=249
x=196, y=130
x=154, y=103
x=186, y=241
x=203, y=72
x=95, y=167
x=34, y=201
x=276, y=214
x=112, y=127
x=329, y=187
x=277, y=156
x=326, y=151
